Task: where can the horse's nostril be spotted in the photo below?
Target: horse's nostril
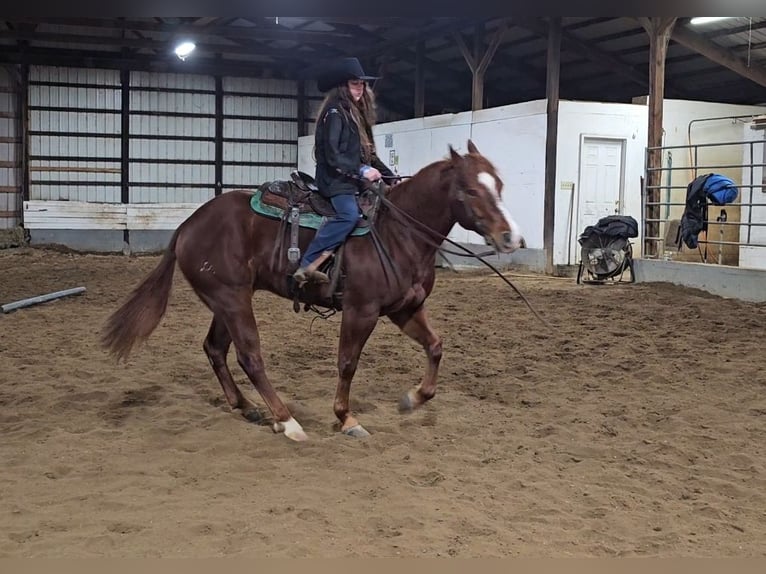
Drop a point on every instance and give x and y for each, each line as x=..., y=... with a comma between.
x=507, y=237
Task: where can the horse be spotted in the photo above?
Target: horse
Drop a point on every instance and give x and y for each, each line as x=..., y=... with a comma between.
x=225, y=251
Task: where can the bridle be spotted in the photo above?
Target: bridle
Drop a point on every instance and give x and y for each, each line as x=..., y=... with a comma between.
x=469, y=211
x=427, y=234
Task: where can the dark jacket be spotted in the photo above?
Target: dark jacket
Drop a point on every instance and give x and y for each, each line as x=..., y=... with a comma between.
x=694, y=219
x=339, y=153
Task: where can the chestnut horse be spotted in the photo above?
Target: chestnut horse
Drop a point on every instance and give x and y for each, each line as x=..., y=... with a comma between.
x=224, y=249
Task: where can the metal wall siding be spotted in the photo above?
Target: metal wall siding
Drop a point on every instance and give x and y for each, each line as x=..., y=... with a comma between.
x=260, y=129
x=56, y=155
x=260, y=86
x=160, y=194
x=172, y=102
x=238, y=152
x=77, y=122
x=172, y=134
x=249, y=177
x=174, y=162
x=172, y=81
x=74, y=75
x=260, y=106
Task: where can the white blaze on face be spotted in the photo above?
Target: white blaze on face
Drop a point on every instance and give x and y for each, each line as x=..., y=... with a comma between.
x=488, y=181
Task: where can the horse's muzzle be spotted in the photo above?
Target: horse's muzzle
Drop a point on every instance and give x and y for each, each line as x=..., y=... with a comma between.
x=506, y=242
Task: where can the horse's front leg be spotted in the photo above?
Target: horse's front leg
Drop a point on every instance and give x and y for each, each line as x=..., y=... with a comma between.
x=355, y=329
x=416, y=325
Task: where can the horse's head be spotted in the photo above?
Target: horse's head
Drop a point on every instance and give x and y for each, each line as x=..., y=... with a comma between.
x=477, y=204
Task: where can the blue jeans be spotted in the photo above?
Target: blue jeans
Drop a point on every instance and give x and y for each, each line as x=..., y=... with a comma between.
x=335, y=229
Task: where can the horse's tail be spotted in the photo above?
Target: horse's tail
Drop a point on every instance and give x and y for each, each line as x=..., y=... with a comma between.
x=141, y=313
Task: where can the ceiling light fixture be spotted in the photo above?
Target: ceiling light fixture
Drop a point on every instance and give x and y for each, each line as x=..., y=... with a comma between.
x=707, y=19
x=184, y=49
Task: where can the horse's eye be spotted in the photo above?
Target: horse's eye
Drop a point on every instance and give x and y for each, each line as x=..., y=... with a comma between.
x=472, y=192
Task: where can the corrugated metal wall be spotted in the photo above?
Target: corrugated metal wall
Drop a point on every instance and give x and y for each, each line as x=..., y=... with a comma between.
x=260, y=130
x=10, y=152
x=77, y=119
x=74, y=134
x=172, y=138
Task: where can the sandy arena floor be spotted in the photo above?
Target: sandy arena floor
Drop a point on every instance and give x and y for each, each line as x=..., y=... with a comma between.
x=636, y=428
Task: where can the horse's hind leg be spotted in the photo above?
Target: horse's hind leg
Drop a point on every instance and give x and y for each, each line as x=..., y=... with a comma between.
x=416, y=325
x=216, y=348
x=236, y=311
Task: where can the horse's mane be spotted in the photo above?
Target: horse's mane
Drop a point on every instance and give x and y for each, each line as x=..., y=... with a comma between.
x=412, y=186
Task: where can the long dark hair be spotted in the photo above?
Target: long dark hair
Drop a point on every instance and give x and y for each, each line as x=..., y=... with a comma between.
x=362, y=113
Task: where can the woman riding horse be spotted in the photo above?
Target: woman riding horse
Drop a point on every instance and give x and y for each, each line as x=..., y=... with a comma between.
x=345, y=152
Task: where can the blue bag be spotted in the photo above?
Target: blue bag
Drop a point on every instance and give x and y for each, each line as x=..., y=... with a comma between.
x=720, y=189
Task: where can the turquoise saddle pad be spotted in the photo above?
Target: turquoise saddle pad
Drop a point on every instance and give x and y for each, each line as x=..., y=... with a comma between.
x=308, y=220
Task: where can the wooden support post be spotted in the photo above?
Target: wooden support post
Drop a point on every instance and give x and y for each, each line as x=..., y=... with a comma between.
x=659, y=29
x=420, y=100
x=23, y=111
x=477, y=85
x=478, y=62
x=551, y=137
x=301, y=116
x=125, y=147
x=218, y=135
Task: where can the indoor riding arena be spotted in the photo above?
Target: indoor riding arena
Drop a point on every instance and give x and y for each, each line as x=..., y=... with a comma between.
x=613, y=404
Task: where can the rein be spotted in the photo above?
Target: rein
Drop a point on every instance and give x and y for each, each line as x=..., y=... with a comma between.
x=424, y=229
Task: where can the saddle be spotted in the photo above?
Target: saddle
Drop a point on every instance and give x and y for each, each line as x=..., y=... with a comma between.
x=297, y=203
x=301, y=191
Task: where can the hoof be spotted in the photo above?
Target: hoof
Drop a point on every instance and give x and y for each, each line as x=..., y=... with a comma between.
x=407, y=404
x=291, y=429
x=356, y=431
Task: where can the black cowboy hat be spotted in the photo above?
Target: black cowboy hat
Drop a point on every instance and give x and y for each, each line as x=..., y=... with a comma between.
x=341, y=71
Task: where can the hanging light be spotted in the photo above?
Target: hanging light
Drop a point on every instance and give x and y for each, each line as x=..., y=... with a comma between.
x=707, y=19
x=184, y=49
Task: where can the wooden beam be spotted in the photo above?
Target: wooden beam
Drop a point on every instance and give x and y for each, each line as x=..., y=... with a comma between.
x=405, y=44
x=479, y=60
x=607, y=60
x=115, y=60
x=23, y=107
x=262, y=32
x=551, y=137
x=719, y=55
x=388, y=21
x=161, y=46
x=219, y=106
x=587, y=50
x=659, y=29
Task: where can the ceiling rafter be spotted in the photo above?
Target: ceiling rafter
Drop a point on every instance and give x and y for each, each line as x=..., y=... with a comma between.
x=259, y=31
x=615, y=64
x=602, y=57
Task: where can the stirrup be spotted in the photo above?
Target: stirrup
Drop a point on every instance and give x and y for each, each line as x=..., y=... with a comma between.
x=303, y=275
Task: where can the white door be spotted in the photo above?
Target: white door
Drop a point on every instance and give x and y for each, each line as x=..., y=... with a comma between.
x=601, y=180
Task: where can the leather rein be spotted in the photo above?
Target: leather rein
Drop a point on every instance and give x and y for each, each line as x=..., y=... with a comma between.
x=426, y=234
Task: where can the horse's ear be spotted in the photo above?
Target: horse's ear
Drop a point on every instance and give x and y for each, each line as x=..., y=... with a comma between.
x=454, y=155
x=472, y=147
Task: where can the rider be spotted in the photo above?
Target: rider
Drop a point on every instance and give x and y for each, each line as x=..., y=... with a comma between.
x=345, y=155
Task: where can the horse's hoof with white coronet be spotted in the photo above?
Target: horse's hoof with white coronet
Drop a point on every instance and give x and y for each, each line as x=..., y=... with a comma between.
x=291, y=429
